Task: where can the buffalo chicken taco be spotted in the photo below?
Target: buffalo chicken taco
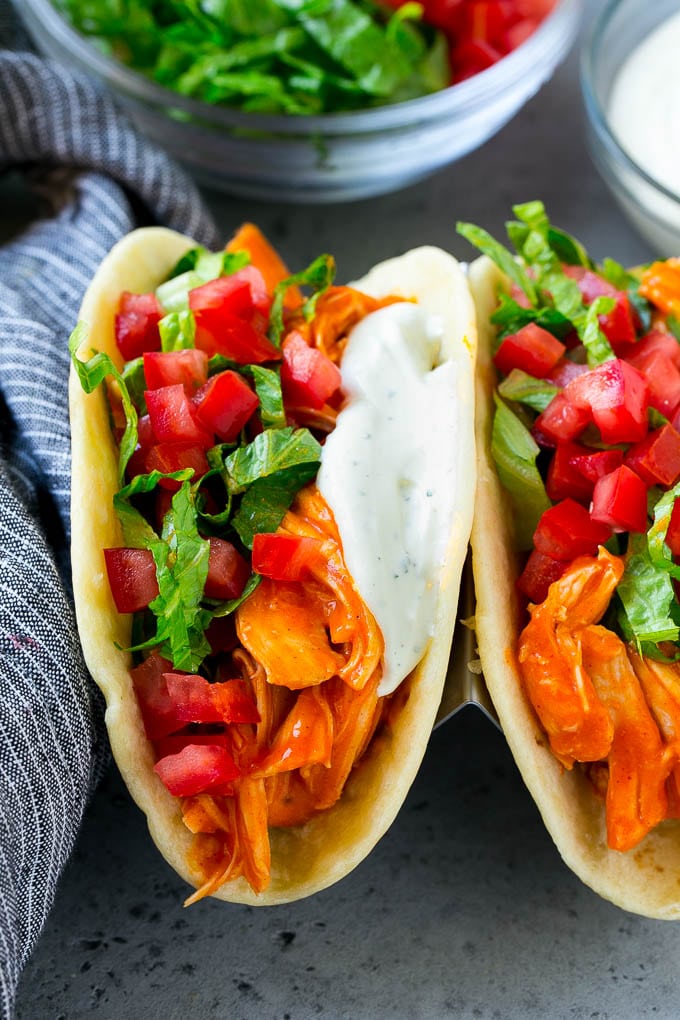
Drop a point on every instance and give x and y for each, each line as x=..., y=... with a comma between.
x=576, y=546
x=272, y=492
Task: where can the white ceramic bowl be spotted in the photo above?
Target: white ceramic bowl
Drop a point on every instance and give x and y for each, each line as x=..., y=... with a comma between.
x=326, y=158
x=652, y=208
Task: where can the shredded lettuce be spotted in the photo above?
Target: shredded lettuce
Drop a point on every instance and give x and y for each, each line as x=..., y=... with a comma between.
x=319, y=275
x=523, y=388
x=515, y=451
x=537, y=269
x=290, y=56
x=91, y=374
x=647, y=596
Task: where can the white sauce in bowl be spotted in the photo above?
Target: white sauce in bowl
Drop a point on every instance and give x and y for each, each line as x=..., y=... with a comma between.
x=388, y=474
x=644, y=106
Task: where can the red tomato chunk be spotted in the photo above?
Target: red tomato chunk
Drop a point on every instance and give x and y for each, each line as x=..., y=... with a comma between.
x=136, y=324
x=168, y=457
x=197, y=768
x=228, y=571
x=191, y=698
x=132, y=578
x=561, y=420
x=284, y=557
x=566, y=531
x=224, y=405
x=617, y=397
x=564, y=478
x=656, y=458
x=158, y=711
x=308, y=376
x=166, y=368
x=230, y=314
x=620, y=501
x=173, y=419
x=595, y=463
x=532, y=349
x=539, y=573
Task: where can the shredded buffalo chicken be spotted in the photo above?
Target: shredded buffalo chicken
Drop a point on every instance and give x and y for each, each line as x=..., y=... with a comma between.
x=311, y=652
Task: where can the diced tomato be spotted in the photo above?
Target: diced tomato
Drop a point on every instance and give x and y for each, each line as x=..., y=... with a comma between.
x=617, y=396
x=566, y=370
x=172, y=417
x=284, y=557
x=168, y=457
x=486, y=20
x=166, y=368
x=196, y=769
x=620, y=501
x=191, y=697
x=532, y=349
x=590, y=283
x=596, y=463
x=472, y=56
x=619, y=324
x=228, y=571
x=518, y=295
x=657, y=340
x=234, y=701
x=231, y=316
x=519, y=33
x=308, y=376
x=561, y=420
x=241, y=294
x=132, y=578
x=563, y=478
x=238, y=339
x=656, y=458
x=173, y=743
x=195, y=700
x=158, y=712
x=673, y=534
x=566, y=531
x=136, y=324
x=539, y=573
x=224, y=404
x=663, y=378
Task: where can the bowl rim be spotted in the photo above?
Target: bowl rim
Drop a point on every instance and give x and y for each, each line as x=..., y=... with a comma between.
x=558, y=28
x=597, y=115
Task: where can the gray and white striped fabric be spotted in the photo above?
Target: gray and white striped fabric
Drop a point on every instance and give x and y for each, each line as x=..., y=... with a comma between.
x=99, y=173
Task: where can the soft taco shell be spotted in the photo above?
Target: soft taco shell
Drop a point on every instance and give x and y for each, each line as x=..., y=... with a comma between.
x=312, y=856
x=645, y=880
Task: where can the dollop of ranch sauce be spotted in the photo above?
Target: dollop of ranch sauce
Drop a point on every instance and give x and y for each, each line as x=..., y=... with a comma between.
x=644, y=106
x=387, y=472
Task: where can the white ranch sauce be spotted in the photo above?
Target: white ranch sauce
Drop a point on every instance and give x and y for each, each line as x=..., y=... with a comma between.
x=388, y=474
x=644, y=107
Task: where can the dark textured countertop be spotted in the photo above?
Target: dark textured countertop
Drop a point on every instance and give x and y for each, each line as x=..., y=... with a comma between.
x=464, y=909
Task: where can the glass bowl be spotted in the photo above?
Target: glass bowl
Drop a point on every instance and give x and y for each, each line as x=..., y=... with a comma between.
x=333, y=157
x=651, y=206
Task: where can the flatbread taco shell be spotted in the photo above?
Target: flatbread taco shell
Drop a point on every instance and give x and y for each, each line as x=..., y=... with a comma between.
x=645, y=880
x=312, y=856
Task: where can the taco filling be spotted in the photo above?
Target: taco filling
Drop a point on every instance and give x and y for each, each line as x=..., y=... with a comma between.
x=585, y=438
x=263, y=447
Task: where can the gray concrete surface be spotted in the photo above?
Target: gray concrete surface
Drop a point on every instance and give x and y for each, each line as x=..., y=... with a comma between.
x=464, y=909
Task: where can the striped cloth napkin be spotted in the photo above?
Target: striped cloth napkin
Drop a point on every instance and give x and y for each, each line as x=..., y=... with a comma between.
x=101, y=177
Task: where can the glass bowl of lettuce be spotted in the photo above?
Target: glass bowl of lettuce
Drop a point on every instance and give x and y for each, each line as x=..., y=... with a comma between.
x=372, y=110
